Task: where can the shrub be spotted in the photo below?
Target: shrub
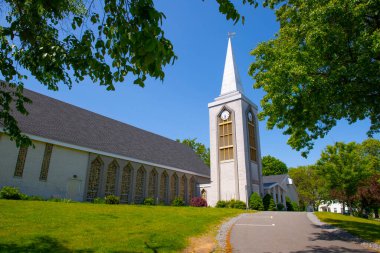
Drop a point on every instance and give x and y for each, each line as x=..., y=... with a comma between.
x=238, y=204
x=280, y=207
x=149, y=201
x=255, y=202
x=24, y=196
x=231, y=204
x=8, y=192
x=272, y=205
x=112, y=200
x=295, y=206
x=221, y=204
x=53, y=199
x=266, y=201
x=289, y=204
x=178, y=202
x=198, y=202
x=161, y=203
x=36, y=198
x=99, y=201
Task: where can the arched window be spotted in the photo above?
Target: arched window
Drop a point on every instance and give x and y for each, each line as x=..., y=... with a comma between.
x=173, y=187
x=192, y=188
x=140, y=185
x=94, y=178
x=183, y=188
x=111, y=178
x=252, y=137
x=46, y=161
x=126, y=180
x=19, y=170
x=164, y=187
x=153, y=182
x=226, y=146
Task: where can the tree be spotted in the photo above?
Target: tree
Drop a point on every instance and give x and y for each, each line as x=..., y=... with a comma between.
x=369, y=152
x=280, y=207
x=295, y=206
x=322, y=66
x=343, y=169
x=255, y=202
x=273, y=166
x=369, y=194
x=63, y=42
x=310, y=186
x=199, y=148
x=289, y=205
x=268, y=203
x=272, y=206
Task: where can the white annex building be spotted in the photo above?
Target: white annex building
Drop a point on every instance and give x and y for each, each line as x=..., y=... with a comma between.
x=82, y=155
x=280, y=187
x=332, y=207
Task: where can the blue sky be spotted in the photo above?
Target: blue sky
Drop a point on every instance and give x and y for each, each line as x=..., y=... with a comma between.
x=177, y=107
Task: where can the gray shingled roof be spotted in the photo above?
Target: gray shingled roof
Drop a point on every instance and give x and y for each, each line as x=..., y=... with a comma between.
x=274, y=178
x=56, y=120
x=268, y=185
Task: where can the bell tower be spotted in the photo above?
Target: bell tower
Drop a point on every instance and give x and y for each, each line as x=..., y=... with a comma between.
x=235, y=157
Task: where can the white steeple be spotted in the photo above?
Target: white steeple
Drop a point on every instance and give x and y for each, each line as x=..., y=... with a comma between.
x=231, y=79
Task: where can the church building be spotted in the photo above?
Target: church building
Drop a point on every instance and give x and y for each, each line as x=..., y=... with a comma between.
x=235, y=154
x=81, y=155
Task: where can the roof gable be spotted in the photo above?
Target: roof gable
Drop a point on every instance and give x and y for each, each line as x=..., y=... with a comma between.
x=275, y=178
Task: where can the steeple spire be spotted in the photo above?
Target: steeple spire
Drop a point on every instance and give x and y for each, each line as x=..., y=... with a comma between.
x=231, y=79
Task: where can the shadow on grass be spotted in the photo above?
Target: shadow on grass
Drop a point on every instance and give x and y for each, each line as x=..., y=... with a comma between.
x=333, y=235
x=366, y=231
x=44, y=244
x=330, y=249
x=154, y=249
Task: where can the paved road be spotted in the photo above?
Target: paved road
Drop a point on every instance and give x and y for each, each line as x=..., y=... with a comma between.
x=286, y=232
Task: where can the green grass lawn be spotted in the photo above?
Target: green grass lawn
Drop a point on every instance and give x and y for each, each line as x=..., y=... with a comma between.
x=39, y=226
x=366, y=229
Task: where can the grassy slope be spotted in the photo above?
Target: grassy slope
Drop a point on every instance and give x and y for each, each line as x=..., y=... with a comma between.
x=36, y=226
x=366, y=229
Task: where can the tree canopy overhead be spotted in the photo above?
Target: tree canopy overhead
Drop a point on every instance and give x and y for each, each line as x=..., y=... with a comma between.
x=63, y=42
x=322, y=66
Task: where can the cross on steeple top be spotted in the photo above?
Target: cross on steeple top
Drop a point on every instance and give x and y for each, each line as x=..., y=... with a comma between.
x=231, y=34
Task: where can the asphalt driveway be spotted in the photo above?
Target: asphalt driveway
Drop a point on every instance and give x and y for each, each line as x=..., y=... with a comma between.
x=287, y=232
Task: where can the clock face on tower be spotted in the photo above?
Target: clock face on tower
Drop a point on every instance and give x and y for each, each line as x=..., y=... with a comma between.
x=250, y=116
x=225, y=115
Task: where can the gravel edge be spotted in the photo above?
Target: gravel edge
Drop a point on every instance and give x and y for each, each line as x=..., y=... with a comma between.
x=342, y=233
x=221, y=237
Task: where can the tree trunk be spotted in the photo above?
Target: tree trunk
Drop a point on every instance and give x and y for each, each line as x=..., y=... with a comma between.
x=343, y=207
x=376, y=211
x=349, y=208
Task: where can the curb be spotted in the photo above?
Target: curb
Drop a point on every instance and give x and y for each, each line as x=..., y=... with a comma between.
x=224, y=233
